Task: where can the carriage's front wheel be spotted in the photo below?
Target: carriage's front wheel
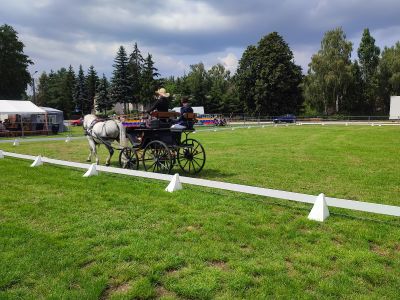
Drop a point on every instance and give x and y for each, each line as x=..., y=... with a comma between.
x=157, y=158
x=191, y=156
x=128, y=159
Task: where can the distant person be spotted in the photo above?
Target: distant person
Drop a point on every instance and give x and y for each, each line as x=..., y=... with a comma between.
x=2, y=127
x=162, y=102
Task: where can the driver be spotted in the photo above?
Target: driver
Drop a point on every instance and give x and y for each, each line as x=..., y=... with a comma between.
x=162, y=102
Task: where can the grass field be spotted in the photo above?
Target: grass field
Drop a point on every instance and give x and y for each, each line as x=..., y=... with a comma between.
x=116, y=237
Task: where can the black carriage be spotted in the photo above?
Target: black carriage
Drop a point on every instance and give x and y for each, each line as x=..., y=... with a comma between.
x=159, y=147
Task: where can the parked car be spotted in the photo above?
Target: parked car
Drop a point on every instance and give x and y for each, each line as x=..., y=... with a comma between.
x=77, y=122
x=285, y=119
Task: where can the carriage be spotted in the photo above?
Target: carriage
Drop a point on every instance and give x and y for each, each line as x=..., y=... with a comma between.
x=158, y=147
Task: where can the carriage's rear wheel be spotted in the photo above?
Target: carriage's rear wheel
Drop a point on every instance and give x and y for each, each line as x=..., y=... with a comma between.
x=191, y=156
x=128, y=159
x=157, y=158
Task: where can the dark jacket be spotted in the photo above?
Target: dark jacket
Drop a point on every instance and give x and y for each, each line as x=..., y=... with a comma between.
x=160, y=105
x=186, y=109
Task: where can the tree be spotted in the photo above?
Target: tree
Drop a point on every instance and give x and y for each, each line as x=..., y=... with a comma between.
x=368, y=55
x=43, y=90
x=388, y=77
x=198, y=83
x=120, y=89
x=14, y=75
x=148, y=80
x=91, y=83
x=329, y=73
x=67, y=92
x=135, y=67
x=80, y=96
x=219, y=79
x=103, y=101
x=268, y=80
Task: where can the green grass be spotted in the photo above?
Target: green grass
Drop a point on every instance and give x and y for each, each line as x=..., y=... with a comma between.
x=116, y=237
x=359, y=163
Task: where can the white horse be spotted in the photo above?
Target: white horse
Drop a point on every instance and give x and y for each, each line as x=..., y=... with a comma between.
x=103, y=132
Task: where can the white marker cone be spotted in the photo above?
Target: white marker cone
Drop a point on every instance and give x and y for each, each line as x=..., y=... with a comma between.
x=263, y=126
x=1, y=154
x=248, y=127
x=372, y=124
x=16, y=142
x=37, y=162
x=380, y=125
x=175, y=184
x=347, y=124
x=287, y=125
x=320, y=210
x=233, y=128
x=323, y=124
x=91, y=171
x=68, y=139
x=215, y=129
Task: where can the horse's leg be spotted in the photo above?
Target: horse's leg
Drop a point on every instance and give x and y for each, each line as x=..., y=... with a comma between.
x=111, y=152
x=91, y=146
x=93, y=150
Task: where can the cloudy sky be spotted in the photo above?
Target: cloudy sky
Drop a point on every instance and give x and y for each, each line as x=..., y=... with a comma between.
x=179, y=33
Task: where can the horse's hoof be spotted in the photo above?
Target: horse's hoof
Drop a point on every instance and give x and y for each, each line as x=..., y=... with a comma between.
x=107, y=165
x=88, y=160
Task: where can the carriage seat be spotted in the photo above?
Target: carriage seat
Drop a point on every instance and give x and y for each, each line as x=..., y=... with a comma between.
x=165, y=114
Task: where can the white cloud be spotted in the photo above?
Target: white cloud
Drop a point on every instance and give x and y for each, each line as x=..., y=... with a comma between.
x=230, y=62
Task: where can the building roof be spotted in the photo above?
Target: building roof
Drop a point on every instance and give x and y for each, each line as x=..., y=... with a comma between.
x=19, y=107
x=51, y=110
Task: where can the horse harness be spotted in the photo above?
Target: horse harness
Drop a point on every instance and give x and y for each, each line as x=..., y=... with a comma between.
x=89, y=131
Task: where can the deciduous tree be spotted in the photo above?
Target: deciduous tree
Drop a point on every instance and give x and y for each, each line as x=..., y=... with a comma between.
x=14, y=75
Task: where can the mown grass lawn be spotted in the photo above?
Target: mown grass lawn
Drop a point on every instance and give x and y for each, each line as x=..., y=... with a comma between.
x=62, y=236
x=114, y=237
x=354, y=162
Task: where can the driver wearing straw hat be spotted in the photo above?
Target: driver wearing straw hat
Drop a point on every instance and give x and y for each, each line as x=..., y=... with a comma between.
x=162, y=101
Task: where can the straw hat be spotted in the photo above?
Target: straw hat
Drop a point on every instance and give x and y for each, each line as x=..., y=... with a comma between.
x=162, y=92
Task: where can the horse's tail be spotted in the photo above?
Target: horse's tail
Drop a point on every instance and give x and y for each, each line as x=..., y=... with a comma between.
x=123, y=141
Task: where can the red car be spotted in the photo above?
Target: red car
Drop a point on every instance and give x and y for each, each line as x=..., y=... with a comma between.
x=78, y=122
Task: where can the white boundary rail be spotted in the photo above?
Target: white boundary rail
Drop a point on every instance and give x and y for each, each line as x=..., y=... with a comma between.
x=305, y=198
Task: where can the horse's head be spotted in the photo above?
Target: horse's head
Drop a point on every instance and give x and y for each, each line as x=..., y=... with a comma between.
x=88, y=120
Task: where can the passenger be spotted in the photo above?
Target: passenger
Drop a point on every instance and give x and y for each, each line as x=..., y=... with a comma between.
x=162, y=102
x=182, y=121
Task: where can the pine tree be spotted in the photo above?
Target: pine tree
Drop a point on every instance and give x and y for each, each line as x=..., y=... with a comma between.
x=67, y=92
x=148, y=82
x=91, y=83
x=120, y=89
x=80, y=96
x=135, y=67
x=42, y=97
x=103, y=101
x=368, y=55
x=14, y=75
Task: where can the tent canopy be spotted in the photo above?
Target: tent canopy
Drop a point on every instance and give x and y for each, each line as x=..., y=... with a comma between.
x=19, y=107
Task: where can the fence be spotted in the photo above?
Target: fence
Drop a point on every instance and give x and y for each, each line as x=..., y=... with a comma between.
x=305, y=198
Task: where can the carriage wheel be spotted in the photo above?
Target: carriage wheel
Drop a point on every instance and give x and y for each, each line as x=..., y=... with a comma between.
x=128, y=159
x=191, y=156
x=157, y=157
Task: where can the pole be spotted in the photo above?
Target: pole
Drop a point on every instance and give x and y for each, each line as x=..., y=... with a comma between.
x=34, y=90
x=33, y=87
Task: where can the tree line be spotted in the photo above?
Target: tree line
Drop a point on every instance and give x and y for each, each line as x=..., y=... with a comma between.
x=267, y=80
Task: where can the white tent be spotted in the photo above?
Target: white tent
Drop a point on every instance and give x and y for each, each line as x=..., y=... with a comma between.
x=394, y=108
x=19, y=107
